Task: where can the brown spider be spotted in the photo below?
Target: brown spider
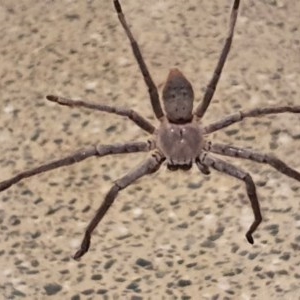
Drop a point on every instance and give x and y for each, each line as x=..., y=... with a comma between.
x=179, y=139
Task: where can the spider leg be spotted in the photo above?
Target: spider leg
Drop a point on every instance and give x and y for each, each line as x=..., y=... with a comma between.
x=152, y=89
x=151, y=165
x=225, y=167
x=211, y=87
x=98, y=150
x=252, y=113
x=271, y=160
x=131, y=114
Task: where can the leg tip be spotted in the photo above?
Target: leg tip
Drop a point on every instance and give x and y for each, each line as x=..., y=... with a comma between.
x=117, y=6
x=51, y=98
x=78, y=254
x=249, y=238
x=84, y=248
x=236, y=4
x=5, y=185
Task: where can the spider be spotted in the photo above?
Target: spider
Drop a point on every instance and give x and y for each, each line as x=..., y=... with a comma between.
x=180, y=139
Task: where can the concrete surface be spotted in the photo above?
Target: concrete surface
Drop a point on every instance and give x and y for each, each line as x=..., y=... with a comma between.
x=170, y=235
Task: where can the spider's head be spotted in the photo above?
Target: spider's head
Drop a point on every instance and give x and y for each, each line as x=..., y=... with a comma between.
x=178, y=97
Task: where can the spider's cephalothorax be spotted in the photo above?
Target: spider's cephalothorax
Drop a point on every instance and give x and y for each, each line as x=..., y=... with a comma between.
x=181, y=144
x=178, y=139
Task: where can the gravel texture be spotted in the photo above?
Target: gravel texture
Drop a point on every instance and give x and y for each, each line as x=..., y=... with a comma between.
x=170, y=235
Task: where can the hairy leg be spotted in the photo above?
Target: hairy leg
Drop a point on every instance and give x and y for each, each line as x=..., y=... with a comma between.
x=211, y=87
x=98, y=150
x=252, y=113
x=225, y=167
x=151, y=165
x=131, y=114
x=152, y=89
x=269, y=159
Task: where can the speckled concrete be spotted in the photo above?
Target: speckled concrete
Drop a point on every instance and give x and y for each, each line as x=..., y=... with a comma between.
x=171, y=235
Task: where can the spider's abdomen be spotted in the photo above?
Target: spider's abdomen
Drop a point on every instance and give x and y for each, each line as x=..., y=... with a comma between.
x=180, y=143
x=178, y=97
